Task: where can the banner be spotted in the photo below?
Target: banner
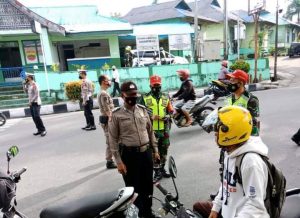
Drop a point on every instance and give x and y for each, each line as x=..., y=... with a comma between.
x=147, y=43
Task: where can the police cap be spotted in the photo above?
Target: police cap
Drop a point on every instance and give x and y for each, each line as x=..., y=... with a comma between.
x=128, y=86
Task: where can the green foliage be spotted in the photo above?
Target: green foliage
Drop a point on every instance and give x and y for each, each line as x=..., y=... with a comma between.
x=105, y=66
x=241, y=65
x=73, y=90
x=79, y=67
x=293, y=9
x=55, y=67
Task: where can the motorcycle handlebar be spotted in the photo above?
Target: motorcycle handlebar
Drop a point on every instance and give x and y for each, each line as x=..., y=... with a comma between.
x=23, y=170
x=160, y=188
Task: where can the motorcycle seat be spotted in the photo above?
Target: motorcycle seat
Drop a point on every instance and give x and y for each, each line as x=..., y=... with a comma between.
x=219, y=83
x=86, y=207
x=291, y=207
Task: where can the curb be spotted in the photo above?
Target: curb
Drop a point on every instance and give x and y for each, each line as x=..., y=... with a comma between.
x=54, y=108
x=75, y=106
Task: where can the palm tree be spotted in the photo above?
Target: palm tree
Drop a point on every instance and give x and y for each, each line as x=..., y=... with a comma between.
x=293, y=9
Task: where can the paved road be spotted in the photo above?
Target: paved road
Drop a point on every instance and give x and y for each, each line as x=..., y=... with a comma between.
x=69, y=163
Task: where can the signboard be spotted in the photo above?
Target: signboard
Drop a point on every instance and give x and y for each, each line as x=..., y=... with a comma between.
x=255, y=6
x=31, y=55
x=147, y=43
x=180, y=42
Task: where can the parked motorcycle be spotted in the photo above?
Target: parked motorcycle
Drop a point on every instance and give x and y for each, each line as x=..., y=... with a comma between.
x=113, y=204
x=2, y=119
x=218, y=89
x=8, y=181
x=198, y=113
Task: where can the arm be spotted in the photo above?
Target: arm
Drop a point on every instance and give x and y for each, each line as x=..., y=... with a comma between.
x=151, y=135
x=217, y=202
x=36, y=93
x=104, y=99
x=178, y=92
x=113, y=131
x=253, y=107
x=254, y=186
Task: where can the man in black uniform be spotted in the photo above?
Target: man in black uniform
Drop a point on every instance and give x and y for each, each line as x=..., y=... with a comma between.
x=130, y=138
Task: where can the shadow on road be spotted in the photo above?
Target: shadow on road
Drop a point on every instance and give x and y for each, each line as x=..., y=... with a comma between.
x=92, y=167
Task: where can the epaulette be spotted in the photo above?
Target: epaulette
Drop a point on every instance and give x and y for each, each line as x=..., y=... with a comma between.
x=141, y=106
x=116, y=109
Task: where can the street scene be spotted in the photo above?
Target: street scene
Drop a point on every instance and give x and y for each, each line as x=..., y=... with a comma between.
x=149, y=109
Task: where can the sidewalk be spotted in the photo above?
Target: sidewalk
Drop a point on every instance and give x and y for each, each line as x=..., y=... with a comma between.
x=74, y=106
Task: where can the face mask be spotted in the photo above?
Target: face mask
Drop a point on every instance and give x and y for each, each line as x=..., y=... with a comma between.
x=181, y=78
x=131, y=100
x=26, y=80
x=80, y=77
x=113, y=69
x=232, y=87
x=156, y=90
x=108, y=83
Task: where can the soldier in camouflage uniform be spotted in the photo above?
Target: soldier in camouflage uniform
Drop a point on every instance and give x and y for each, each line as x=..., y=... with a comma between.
x=159, y=108
x=241, y=97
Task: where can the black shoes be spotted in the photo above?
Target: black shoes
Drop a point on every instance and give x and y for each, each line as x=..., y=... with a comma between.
x=295, y=140
x=157, y=176
x=90, y=128
x=111, y=165
x=164, y=173
x=43, y=133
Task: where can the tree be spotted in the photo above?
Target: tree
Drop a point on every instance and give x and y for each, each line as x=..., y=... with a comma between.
x=293, y=9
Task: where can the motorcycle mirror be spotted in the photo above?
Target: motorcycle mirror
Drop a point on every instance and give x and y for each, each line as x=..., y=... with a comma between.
x=172, y=167
x=12, y=152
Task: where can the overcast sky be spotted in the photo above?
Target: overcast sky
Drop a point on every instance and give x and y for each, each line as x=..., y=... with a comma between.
x=123, y=6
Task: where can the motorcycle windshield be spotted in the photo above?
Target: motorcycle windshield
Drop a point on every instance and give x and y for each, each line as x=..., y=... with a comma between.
x=210, y=121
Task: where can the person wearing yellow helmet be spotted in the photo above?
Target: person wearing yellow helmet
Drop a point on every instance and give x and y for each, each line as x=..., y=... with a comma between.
x=233, y=126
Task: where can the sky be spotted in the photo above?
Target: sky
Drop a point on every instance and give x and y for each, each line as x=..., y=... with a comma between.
x=106, y=7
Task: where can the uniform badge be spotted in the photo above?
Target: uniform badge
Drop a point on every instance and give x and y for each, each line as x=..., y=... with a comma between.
x=252, y=191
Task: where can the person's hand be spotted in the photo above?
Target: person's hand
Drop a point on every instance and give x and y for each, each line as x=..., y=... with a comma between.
x=109, y=118
x=156, y=156
x=83, y=103
x=155, y=117
x=213, y=214
x=122, y=168
x=30, y=104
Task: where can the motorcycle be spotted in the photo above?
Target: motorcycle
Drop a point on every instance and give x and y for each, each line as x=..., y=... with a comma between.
x=198, y=112
x=173, y=206
x=8, y=181
x=2, y=119
x=218, y=89
x=112, y=204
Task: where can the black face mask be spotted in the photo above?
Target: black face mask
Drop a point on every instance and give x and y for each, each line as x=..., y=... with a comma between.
x=181, y=78
x=232, y=87
x=80, y=77
x=131, y=100
x=26, y=80
x=156, y=90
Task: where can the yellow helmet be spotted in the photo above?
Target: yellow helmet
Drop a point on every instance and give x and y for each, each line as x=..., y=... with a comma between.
x=234, y=125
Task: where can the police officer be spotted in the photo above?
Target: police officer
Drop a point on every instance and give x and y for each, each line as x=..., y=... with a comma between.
x=106, y=106
x=130, y=138
x=87, y=91
x=160, y=109
x=35, y=104
x=241, y=97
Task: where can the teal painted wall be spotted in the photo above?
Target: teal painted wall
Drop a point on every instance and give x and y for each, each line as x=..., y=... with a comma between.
x=201, y=74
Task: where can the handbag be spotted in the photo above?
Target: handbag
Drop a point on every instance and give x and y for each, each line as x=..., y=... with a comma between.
x=103, y=119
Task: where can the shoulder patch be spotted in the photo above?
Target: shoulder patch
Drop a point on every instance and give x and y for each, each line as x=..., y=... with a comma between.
x=116, y=109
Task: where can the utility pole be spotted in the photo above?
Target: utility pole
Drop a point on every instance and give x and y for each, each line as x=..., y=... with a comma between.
x=276, y=44
x=196, y=32
x=256, y=19
x=225, y=38
x=238, y=37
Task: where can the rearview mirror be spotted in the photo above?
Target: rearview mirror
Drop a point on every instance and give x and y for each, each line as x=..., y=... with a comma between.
x=172, y=167
x=12, y=152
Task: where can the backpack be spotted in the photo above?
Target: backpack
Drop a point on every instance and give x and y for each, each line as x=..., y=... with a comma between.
x=276, y=187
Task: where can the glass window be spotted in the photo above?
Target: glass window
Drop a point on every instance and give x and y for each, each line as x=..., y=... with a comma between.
x=33, y=52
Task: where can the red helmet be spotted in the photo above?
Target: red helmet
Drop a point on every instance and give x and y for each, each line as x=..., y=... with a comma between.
x=184, y=73
x=155, y=80
x=240, y=75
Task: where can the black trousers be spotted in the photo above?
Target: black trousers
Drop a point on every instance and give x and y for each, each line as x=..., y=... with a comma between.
x=116, y=88
x=140, y=175
x=89, y=117
x=35, y=114
x=297, y=136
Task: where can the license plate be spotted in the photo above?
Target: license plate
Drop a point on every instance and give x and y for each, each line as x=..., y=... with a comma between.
x=132, y=212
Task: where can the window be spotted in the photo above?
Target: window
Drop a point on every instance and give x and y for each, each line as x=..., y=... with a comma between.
x=288, y=36
x=33, y=52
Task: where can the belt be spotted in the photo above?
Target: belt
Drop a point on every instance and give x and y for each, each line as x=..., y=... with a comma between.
x=142, y=148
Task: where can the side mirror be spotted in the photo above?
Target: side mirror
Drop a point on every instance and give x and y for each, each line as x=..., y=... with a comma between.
x=12, y=152
x=172, y=167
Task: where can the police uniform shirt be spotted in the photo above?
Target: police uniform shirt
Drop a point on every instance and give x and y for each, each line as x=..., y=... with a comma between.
x=33, y=93
x=131, y=128
x=86, y=90
x=106, y=104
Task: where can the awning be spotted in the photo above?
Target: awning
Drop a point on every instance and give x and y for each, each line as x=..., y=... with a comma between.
x=162, y=29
